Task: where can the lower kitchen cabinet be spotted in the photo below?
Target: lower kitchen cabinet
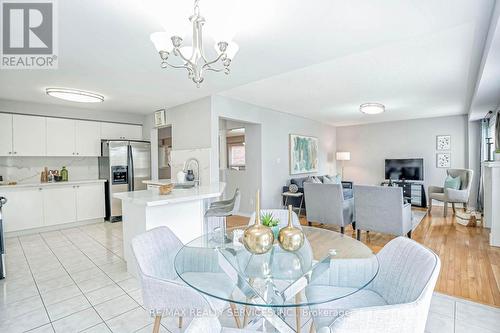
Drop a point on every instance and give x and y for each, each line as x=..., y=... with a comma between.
x=89, y=201
x=59, y=205
x=24, y=209
x=42, y=206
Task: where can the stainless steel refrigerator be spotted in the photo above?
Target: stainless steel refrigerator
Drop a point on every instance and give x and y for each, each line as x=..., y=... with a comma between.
x=124, y=164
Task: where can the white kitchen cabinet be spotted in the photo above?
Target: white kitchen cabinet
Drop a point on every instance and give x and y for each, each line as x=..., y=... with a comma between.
x=5, y=134
x=60, y=137
x=88, y=138
x=59, y=204
x=29, y=136
x=89, y=201
x=121, y=131
x=24, y=209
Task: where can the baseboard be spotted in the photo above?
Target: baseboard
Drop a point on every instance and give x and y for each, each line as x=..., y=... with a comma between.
x=51, y=228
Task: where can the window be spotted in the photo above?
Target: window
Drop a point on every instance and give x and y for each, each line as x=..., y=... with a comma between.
x=236, y=149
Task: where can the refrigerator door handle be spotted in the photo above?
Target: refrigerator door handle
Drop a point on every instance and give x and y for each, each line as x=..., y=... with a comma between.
x=130, y=160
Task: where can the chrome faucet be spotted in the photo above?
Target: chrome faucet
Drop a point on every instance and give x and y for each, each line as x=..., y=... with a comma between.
x=197, y=174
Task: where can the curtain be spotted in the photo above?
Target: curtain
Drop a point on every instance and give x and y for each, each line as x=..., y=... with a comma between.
x=483, y=156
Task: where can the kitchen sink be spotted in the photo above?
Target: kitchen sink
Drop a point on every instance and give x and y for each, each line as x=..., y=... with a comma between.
x=183, y=186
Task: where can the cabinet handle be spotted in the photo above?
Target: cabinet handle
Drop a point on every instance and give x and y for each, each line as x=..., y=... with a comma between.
x=10, y=153
x=15, y=152
x=78, y=153
x=39, y=189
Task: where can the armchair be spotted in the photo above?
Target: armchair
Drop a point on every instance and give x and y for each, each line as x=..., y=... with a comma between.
x=326, y=204
x=381, y=209
x=448, y=195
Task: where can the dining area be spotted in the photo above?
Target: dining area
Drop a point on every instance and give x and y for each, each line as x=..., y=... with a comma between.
x=289, y=278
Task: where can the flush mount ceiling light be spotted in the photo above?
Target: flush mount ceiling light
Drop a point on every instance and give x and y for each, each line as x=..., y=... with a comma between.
x=372, y=108
x=74, y=95
x=193, y=57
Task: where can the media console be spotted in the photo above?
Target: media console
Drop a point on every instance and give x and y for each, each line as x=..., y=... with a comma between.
x=412, y=192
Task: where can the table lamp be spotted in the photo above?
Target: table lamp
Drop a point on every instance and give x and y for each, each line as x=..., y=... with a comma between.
x=343, y=156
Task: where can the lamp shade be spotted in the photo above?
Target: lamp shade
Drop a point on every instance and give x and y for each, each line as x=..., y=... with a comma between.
x=343, y=156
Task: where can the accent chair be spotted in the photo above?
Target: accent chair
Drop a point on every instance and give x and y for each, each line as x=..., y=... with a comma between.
x=448, y=195
x=382, y=209
x=326, y=204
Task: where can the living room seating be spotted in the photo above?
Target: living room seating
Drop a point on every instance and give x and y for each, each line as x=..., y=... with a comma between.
x=382, y=209
x=453, y=196
x=396, y=301
x=326, y=204
x=299, y=181
x=162, y=291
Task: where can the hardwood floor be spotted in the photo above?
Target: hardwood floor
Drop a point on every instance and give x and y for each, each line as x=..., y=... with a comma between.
x=470, y=267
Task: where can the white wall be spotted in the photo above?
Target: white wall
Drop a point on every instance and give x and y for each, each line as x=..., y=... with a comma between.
x=275, y=128
x=372, y=143
x=248, y=180
x=69, y=111
x=474, y=158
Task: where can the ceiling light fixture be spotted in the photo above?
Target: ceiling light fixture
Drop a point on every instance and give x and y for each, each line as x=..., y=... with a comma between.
x=74, y=95
x=193, y=57
x=372, y=108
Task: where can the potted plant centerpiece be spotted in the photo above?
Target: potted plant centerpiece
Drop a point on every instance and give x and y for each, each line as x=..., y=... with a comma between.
x=269, y=221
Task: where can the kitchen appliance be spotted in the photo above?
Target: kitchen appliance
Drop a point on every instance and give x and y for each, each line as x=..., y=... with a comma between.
x=124, y=164
x=3, y=201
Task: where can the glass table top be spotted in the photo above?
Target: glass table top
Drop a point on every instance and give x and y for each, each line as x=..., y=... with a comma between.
x=329, y=266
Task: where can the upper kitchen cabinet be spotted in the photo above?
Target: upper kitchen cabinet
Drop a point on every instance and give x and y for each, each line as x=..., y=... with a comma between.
x=88, y=138
x=29, y=135
x=5, y=134
x=121, y=131
x=60, y=137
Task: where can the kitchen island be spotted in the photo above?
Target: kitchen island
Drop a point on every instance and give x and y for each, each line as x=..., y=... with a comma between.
x=182, y=211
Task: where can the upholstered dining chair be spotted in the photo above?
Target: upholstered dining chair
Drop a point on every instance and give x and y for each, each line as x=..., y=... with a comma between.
x=448, y=195
x=382, y=209
x=396, y=301
x=162, y=291
x=325, y=204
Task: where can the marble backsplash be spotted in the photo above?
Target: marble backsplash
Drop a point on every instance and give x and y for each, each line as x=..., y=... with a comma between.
x=178, y=157
x=25, y=170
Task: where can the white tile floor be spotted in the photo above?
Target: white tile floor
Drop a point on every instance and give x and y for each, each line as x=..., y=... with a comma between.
x=75, y=280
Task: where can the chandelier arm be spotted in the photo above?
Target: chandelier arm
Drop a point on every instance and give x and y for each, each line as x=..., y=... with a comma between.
x=209, y=63
x=179, y=66
x=179, y=54
x=215, y=69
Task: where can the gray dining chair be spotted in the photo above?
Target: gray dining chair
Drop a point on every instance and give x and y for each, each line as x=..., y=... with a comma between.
x=396, y=301
x=162, y=291
x=325, y=204
x=448, y=195
x=382, y=209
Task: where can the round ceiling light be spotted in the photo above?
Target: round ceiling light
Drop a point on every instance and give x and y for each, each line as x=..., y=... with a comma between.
x=372, y=108
x=75, y=95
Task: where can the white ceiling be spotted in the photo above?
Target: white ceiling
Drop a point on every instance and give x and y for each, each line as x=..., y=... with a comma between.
x=317, y=59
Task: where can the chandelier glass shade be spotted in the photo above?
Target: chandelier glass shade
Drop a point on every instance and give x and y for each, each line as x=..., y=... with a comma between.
x=192, y=58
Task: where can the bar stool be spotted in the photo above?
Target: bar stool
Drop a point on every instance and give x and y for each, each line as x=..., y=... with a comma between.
x=223, y=209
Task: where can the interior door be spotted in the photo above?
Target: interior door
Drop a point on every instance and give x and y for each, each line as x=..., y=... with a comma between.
x=141, y=164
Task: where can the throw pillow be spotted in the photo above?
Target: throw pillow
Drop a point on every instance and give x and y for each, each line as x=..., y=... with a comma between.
x=293, y=188
x=453, y=183
x=328, y=180
x=337, y=179
x=312, y=179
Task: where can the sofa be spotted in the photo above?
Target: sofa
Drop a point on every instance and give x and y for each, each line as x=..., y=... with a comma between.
x=346, y=186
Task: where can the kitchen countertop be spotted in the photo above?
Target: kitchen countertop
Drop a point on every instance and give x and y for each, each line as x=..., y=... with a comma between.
x=153, y=198
x=71, y=182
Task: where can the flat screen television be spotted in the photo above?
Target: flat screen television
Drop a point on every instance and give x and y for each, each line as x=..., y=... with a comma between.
x=407, y=169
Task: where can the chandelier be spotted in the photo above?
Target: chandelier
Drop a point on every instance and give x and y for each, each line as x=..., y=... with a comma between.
x=192, y=58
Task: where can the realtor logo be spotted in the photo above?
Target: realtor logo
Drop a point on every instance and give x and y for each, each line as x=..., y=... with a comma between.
x=29, y=39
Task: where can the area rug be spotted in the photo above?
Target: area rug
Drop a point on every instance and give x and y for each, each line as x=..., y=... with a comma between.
x=416, y=217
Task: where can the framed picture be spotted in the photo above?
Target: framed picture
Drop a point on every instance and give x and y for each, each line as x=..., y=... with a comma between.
x=160, y=119
x=443, y=160
x=303, y=154
x=443, y=142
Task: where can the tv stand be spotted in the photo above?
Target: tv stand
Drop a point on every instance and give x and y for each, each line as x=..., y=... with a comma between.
x=412, y=192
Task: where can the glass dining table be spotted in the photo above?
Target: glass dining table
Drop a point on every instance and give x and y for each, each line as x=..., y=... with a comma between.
x=328, y=267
